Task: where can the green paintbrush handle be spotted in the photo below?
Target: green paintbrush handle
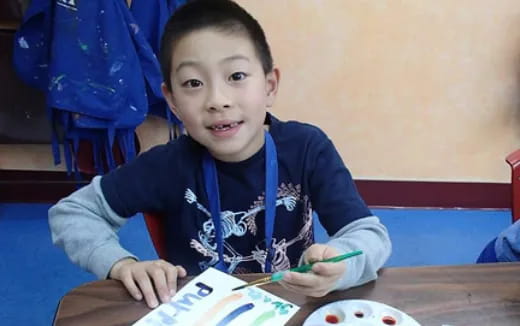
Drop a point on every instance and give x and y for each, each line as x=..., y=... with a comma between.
x=278, y=276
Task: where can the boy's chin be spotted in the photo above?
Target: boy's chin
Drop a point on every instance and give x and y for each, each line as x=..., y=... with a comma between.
x=234, y=150
x=231, y=152
x=227, y=155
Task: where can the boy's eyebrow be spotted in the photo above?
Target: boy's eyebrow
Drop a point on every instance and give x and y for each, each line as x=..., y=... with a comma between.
x=186, y=63
x=235, y=57
x=195, y=63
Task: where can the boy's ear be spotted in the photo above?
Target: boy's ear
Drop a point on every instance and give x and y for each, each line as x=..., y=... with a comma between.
x=168, y=96
x=272, y=79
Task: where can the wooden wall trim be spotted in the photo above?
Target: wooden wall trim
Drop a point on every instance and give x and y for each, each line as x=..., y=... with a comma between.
x=435, y=194
x=9, y=26
x=46, y=186
x=17, y=186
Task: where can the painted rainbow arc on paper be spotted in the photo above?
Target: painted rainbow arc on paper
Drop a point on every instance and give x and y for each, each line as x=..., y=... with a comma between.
x=235, y=313
x=208, y=315
x=260, y=320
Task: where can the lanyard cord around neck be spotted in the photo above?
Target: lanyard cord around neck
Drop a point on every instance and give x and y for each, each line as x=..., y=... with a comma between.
x=271, y=187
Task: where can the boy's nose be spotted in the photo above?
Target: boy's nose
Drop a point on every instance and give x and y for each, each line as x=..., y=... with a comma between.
x=217, y=107
x=217, y=100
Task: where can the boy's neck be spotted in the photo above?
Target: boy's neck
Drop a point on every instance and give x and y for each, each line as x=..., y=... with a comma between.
x=242, y=159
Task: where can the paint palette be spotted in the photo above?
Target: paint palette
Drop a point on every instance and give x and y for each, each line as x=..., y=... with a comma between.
x=359, y=313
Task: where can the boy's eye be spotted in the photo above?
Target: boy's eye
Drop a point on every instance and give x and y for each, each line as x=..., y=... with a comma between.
x=237, y=76
x=192, y=83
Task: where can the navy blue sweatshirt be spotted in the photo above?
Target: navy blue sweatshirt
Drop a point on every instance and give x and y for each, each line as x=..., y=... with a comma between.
x=168, y=179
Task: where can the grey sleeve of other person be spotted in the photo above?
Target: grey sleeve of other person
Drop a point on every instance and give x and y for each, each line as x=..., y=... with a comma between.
x=507, y=245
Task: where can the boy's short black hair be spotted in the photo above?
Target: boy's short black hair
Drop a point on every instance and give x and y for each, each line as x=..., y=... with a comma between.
x=224, y=15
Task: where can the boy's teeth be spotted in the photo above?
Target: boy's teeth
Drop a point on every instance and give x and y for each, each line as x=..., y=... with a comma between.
x=225, y=127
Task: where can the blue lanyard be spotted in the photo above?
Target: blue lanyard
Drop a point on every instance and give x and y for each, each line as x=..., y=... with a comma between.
x=271, y=188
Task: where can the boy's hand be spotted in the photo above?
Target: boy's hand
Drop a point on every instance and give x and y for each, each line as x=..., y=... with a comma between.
x=142, y=277
x=323, y=277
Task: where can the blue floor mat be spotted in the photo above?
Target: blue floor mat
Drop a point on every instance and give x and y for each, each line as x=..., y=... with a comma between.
x=436, y=236
x=34, y=273
x=440, y=237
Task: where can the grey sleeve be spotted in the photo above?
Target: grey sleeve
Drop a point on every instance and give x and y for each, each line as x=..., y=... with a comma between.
x=85, y=226
x=370, y=236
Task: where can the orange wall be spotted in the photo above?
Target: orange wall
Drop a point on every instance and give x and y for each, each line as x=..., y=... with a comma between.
x=425, y=90
x=407, y=89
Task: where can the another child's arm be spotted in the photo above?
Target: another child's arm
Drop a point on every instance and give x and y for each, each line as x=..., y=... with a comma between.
x=85, y=226
x=507, y=244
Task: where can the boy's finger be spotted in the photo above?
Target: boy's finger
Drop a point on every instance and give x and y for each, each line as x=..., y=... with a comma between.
x=171, y=279
x=162, y=289
x=181, y=272
x=329, y=252
x=329, y=269
x=313, y=292
x=319, y=252
x=143, y=280
x=313, y=253
x=129, y=283
x=293, y=288
x=308, y=280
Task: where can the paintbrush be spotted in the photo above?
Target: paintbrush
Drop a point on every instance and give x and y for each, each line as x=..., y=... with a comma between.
x=278, y=276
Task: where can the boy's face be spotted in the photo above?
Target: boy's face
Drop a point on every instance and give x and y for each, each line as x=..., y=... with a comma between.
x=221, y=93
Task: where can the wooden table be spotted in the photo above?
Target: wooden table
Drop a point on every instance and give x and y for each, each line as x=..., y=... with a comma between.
x=485, y=294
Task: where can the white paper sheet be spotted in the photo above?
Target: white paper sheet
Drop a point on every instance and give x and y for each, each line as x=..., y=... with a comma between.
x=208, y=300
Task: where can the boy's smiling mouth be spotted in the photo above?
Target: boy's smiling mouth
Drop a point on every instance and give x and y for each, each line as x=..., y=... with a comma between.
x=225, y=128
x=225, y=125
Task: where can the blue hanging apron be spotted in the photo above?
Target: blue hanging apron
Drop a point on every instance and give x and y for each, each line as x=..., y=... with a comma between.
x=271, y=187
x=151, y=17
x=96, y=67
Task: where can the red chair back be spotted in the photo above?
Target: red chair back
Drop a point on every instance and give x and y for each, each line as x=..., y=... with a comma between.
x=513, y=160
x=155, y=225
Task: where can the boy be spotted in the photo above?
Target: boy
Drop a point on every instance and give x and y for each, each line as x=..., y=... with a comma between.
x=220, y=186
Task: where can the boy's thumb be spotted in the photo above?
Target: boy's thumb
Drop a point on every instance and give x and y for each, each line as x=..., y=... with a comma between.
x=314, y=253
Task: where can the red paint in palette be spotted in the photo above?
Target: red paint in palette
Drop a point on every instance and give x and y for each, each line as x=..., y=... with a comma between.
x=332, y=319
x=389, y=320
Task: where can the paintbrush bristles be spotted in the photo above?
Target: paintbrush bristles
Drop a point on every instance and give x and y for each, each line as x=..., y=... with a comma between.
x=260, y=281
